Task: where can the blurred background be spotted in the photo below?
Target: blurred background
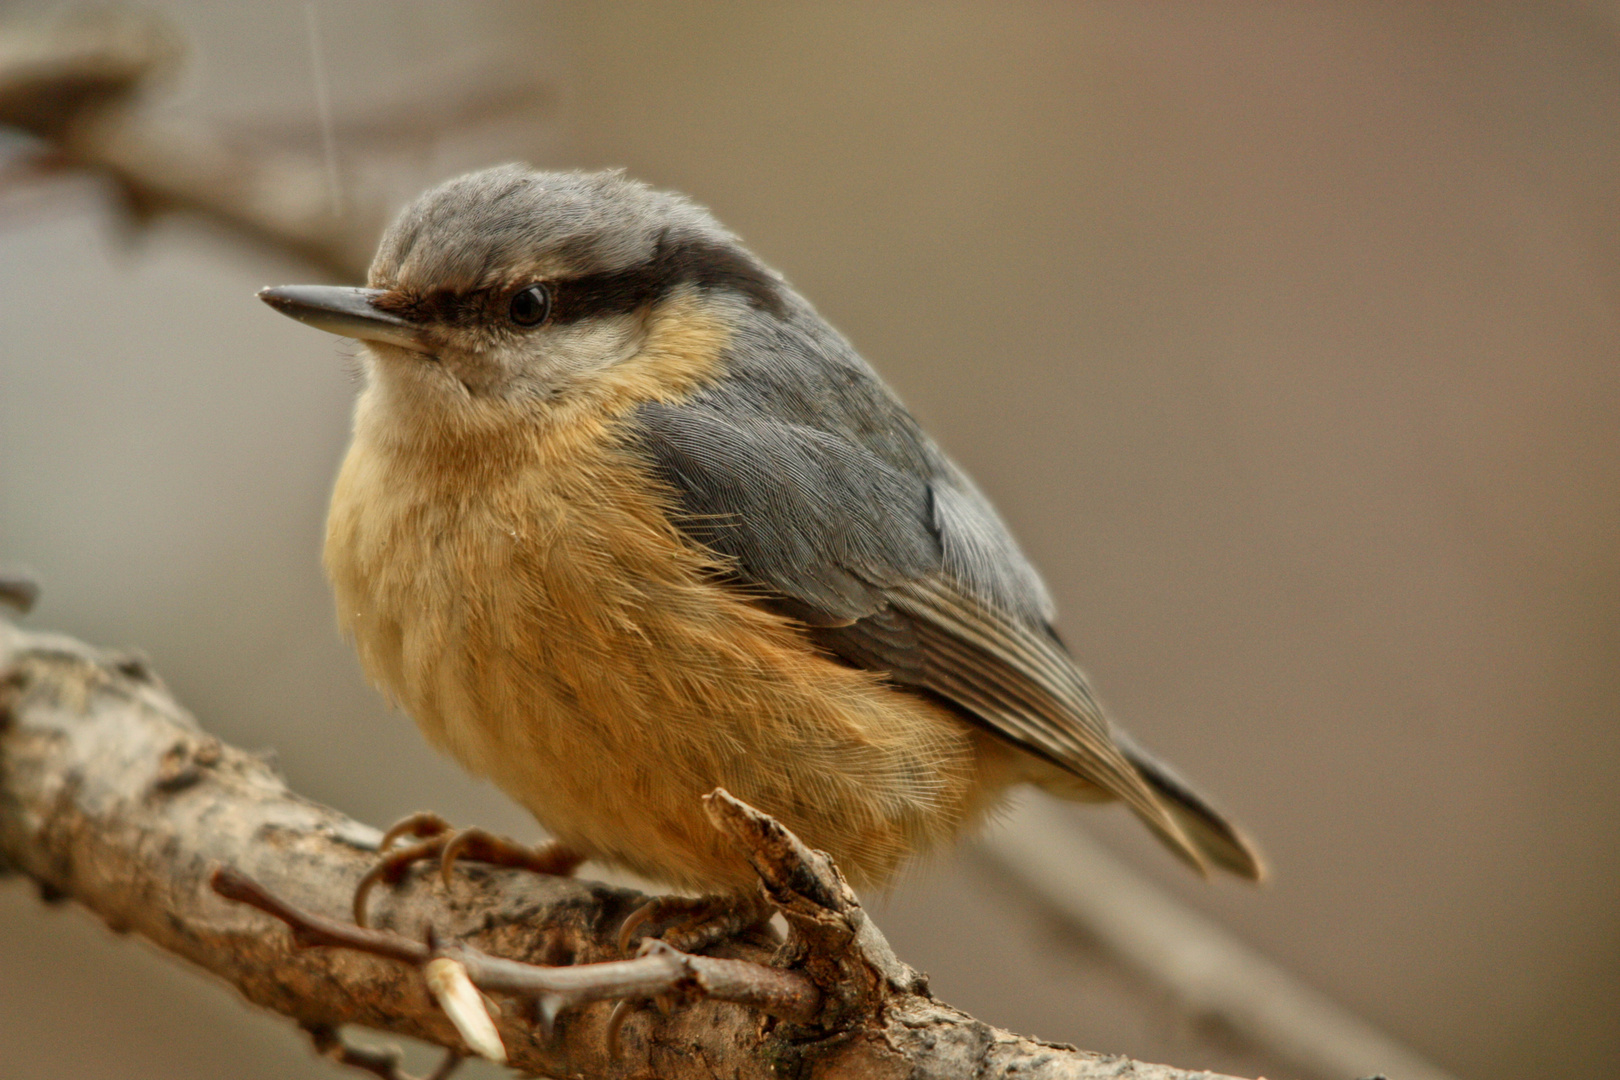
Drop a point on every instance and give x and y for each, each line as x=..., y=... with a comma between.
x=1286, y=337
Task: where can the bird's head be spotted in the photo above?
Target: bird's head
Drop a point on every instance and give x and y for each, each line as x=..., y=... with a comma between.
x=514, y=290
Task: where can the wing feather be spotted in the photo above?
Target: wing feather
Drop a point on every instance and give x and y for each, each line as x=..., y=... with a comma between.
x=1016, y=682
x=856, y=548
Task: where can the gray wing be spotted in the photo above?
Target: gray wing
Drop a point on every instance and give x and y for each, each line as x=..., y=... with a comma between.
x=896, y=564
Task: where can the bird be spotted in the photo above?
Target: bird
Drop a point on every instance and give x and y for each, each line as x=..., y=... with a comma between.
x=624, y=520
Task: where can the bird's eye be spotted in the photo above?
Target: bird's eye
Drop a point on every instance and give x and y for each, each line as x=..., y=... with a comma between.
x=530, y=306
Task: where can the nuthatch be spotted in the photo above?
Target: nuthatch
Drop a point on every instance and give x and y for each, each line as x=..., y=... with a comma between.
x=624, y=520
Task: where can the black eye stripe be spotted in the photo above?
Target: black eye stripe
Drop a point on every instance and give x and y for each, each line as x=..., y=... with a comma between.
x=707, y=265
x=608, y=293
x=698, y=262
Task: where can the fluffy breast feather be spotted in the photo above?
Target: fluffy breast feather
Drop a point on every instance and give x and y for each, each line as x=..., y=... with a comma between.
x=535, y=611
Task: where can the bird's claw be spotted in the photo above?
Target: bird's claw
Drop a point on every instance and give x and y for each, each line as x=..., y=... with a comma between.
x=436, y=838
x=698, y=921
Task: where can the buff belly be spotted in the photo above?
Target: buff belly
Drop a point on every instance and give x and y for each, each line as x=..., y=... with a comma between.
x=545, y=624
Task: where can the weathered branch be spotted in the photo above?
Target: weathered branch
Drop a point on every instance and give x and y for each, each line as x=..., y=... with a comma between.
x=659, y=970
x=112, y=796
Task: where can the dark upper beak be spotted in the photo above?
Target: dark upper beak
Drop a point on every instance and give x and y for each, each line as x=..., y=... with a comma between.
x=347, y=312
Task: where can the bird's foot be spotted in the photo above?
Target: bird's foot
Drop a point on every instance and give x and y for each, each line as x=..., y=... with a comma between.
x=436, y=838
x=693, y=923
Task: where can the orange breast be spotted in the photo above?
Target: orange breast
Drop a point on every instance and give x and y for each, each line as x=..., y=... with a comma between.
x=530, y=604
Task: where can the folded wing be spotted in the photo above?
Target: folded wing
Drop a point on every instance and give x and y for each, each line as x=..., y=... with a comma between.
x=896, y=564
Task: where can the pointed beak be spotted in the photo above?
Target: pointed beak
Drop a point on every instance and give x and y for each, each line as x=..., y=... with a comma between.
x=348, y=313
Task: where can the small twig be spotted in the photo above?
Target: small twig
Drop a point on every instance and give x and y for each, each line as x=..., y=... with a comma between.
x=659, y=970
x=311, y=930
x=383, y=1063
x=786, y=866
x=833, y=940
x=448, y=1064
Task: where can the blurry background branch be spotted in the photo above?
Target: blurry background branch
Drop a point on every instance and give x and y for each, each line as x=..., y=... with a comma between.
x=1213, y=975
x=74, y=87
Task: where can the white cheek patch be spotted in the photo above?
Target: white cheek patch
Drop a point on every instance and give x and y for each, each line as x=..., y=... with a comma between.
x=544, y=362
x=549, y=360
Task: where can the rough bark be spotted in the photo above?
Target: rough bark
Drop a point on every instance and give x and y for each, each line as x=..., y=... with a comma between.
x=113, y=797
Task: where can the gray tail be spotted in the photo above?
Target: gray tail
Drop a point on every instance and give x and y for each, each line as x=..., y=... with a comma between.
x=1220, y=841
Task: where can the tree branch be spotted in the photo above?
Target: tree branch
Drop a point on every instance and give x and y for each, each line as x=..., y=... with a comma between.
x=659, y=970
x=112, y=796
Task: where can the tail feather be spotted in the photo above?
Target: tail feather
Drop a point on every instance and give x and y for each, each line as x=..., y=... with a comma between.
x=1217, y=838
